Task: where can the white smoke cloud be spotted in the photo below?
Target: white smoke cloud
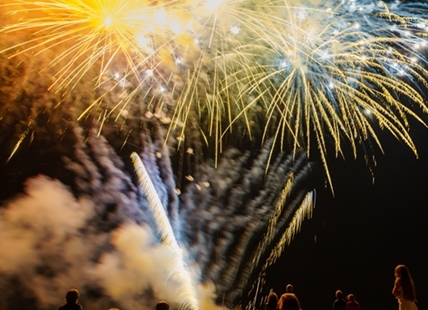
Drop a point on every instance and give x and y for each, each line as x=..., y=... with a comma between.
x=45, y=218
x=42, y=237
x=48, y=242
x=135, y=266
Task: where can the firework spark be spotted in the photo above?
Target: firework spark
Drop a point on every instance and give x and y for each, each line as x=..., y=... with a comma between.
x=302, y=73
x=333, y=70
x=336, y=72
x=94, y=33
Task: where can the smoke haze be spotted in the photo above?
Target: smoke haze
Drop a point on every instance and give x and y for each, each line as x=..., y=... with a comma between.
x=72, y=213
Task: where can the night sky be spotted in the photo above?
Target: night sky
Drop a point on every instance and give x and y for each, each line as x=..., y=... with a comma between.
x=354, y=241
x=356, y=238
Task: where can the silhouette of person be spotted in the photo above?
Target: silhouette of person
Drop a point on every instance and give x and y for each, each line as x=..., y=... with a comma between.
x=162, y=305
x=351, y=303
x=339, y=303
x=289, y=288
x=71, y=301
x=288, y=301
x=404, y=289
x=272, y=301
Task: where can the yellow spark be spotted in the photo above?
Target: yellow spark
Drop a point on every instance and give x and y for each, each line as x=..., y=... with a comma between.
x=18, y=144
x=313, y=71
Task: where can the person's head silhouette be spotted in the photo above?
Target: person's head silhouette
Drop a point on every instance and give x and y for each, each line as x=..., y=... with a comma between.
x=162, y=305
x=72, y=296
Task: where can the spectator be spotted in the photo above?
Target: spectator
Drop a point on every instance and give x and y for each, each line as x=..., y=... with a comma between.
x=352, y=304
x=272, y=301
x=339, y=303
x=288, y=301
x=404, y=289
x=71, y=301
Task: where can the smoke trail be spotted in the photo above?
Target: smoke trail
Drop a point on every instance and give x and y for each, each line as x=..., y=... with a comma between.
x=227, y=211
x=54, y=244
x=77, y=174
x=168, y=238
x=223, y=213
x=111, y=254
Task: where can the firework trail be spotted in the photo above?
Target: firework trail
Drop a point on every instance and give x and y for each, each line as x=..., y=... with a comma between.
x=224, y=204
x=107, y=244
x=85, y=83
x=99, y=240
x=112, y=251
x=168, y=237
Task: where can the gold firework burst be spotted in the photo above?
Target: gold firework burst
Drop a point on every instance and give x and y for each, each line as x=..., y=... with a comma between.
x=316, y=71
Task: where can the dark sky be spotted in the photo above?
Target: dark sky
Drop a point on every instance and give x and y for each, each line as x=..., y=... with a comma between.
x=354, y=240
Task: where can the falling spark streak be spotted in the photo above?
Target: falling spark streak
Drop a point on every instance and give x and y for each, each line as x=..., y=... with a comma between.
x=188, y=295
x=304, y=211
x=273, y=222
x=21, y=138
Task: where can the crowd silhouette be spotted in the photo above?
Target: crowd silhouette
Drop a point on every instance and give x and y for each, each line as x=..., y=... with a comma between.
x=403, y=291
x=289, y=301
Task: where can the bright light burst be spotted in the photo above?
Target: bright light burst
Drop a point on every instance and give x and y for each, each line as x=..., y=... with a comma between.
x=95, y=33
x=329, y=67
x=337, y=69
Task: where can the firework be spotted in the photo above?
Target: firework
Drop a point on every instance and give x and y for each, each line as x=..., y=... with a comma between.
x=299, y=73
x=188, y=294
x=340, y=72
x=228, y=204
x=337, y=69
x=107, y=244
x=223, y=255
